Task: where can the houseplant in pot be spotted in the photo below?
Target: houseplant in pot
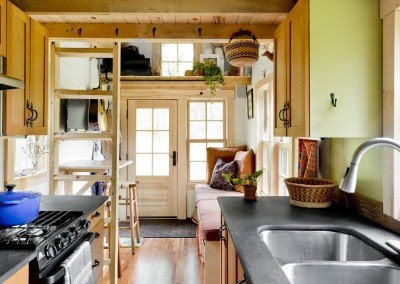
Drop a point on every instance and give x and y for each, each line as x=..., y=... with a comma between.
x=248, y=182
x=211, y=72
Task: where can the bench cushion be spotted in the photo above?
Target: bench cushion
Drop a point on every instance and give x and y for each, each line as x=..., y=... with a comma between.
x=208, y=210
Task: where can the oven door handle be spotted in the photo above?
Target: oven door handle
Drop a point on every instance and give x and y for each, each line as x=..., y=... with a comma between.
x=61, y=271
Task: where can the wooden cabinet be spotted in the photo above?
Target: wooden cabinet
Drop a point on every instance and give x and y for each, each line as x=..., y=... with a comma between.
x=322, y=49
x=25, y=111
x=231, y=269
x=97, y=227
x=18, y=64
x=3, y=28
x=38, y=91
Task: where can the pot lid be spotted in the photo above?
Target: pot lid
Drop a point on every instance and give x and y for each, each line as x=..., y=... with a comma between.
x=11, y=195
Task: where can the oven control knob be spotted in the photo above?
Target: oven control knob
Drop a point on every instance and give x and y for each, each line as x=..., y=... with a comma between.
x=85, y=224
x=73, y=231
x=50, y=252
x=61, y=242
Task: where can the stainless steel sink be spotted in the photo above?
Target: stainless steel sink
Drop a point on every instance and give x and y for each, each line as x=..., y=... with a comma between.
x=289, y=246
x=340, y=273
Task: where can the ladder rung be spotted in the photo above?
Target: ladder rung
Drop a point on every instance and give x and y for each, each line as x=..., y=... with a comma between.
x=83, y=136
x=83, y=94
x=85, y=52
x=82, y=178
x=107, y=262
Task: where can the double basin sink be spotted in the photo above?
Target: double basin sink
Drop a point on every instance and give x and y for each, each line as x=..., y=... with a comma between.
x=328, y=257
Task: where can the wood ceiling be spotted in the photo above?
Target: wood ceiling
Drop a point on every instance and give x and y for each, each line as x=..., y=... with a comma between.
x=157, y=18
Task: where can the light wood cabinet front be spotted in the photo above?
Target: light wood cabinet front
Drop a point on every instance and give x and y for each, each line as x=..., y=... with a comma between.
x=38, y=78
x=18, y=63
x=3, y=28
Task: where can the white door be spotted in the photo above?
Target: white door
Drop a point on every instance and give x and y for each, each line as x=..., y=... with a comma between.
x=152, y=144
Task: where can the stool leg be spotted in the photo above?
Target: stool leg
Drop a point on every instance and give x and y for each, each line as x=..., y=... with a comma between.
x=137, y=229
x=132, y=217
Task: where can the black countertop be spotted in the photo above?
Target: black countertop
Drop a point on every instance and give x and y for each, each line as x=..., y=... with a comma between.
x=245, y=220
x=13, y=260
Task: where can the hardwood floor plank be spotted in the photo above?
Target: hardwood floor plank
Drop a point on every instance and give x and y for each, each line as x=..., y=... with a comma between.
x=162, y=261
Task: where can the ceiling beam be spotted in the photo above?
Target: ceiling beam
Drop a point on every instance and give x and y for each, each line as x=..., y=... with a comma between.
x=161, y=32
x=154, y=6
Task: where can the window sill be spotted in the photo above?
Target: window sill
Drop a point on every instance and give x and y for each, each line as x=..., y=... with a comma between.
x=31, y=180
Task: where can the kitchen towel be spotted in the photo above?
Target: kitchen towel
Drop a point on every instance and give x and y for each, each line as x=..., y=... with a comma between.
x=78, y=266
x=308, y=154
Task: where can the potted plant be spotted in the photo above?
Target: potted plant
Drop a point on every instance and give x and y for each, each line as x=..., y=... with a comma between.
x=248, y=182
x=211, y=72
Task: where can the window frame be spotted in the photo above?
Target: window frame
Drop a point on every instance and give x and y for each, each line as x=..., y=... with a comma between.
x=27, y=181
x=177, y=56
x=189, y=141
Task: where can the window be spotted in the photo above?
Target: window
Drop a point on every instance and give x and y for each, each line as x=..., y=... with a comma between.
x=284, y=163
x=176, y=58
x=206, y=129
x=30, y=155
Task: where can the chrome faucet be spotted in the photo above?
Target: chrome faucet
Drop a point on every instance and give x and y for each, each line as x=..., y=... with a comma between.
x=349, y=180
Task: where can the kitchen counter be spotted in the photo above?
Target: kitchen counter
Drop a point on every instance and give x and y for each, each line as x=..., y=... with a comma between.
x=13, y=260
x=245, y=220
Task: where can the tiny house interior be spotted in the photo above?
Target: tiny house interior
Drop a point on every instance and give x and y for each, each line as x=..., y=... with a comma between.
x=199, y=142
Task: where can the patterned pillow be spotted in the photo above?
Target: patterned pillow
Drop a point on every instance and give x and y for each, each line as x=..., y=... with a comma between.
x=217, y=180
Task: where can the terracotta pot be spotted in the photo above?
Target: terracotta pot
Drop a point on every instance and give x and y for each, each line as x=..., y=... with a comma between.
x=250, y=192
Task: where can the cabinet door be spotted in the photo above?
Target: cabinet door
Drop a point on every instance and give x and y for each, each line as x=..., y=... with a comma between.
x=298, y=78
x=3, y=28
x=97, y=252
x=18, y=62
x=38, y=78
x=280, y=78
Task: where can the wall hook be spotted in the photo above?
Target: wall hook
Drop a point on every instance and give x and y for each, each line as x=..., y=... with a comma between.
x=154, y=31
x=333, y=100
x=80, y=31
x=116, y=31
x=201, y=93
x=199, y=30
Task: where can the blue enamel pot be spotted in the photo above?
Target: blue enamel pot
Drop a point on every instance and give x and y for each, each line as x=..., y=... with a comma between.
x=18, y=207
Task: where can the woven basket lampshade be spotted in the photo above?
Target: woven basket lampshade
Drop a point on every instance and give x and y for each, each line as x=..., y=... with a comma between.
x=242, y=50
x=310, y=192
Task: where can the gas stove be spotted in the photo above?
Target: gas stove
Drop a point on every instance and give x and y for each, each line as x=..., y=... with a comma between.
x=53, y=235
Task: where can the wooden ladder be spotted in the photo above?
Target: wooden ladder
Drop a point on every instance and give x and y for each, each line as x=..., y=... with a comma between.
x=55, y=136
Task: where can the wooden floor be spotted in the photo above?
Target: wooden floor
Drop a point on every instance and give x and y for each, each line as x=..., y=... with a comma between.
x=162, y=261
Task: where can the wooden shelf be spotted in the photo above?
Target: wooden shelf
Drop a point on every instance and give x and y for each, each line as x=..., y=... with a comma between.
x=85, y=52
x=91, y=166
x=92, y=178
x=83, y=136
x=83, y=94
x=190, y=80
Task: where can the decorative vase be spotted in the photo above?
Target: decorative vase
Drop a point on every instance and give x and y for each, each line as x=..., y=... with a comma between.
x=250, y=192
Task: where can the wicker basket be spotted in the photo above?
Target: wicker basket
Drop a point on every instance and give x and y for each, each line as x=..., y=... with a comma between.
x=310, y=192
x=242, y=50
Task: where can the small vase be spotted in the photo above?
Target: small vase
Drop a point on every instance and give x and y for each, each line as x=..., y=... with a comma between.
x=250, y=192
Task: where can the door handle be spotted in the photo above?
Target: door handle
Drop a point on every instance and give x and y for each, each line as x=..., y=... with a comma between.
x=173, y=158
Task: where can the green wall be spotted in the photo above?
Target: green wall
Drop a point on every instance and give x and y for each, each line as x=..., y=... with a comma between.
x=370, y=173
x=345, y=59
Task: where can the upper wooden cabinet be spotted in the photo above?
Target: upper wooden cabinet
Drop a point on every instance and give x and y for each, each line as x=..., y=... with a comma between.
x=3, y=28
x=25, y=111
x=322, y=48
x=18, y=64
x=38, y=93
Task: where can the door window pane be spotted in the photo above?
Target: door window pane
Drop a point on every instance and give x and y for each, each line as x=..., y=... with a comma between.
x=143, y=164
x=143, y=142
x=160, y=164
x=161, y=118
x=143, y=119
x=161, y=141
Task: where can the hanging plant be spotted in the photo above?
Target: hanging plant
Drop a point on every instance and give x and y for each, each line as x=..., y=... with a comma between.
x=211, y=72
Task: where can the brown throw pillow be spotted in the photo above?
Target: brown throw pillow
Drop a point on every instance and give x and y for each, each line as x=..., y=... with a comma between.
x=217, y=180
x=245, y=164
x=225, y=154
